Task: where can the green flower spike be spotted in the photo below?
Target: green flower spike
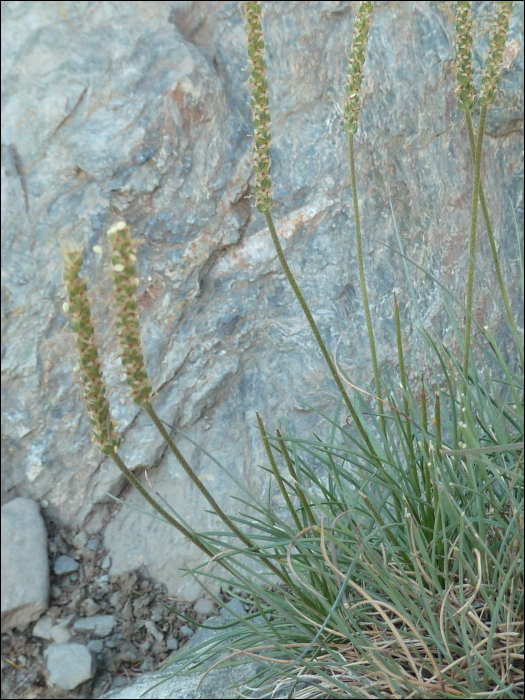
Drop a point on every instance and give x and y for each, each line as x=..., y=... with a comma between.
x=259, y=102
x=94, y=389
x=355, y=67
x=465, y=70
x=263, y=183
x=489, y=83
x=490, y=77
x=351, y=119
x=123, y=257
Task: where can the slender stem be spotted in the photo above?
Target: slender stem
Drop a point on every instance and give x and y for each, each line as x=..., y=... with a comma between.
x=293, y=474
x=472, y=247
x=315, y=330
x=277, y=474
x=424, y=421
x=184, y=531
x=403, y=376
x=492, y=242
x=136, y=484
x=362, y=282
x=436, y=420
x=198, y=483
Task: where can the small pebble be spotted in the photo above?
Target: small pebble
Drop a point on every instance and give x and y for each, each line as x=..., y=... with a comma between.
x=186, y=631
x=234, y=606
x=43, y=627
x=60, y=634
x=147, y=665
x=80, y=540
x=154, y=630
x=145, y=647
x=96, y=646
x=89, y=607
x=65, y=565
x=114, y=598
x=204, y=606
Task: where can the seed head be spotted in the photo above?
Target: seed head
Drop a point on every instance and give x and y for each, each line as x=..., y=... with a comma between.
x=94, y=389
x=123, y=257
x=490, y=77
x=259, y=102
x=464, y=69
x=355, y=67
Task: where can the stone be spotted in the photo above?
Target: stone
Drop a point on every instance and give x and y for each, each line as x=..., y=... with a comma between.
x=154, y=630
x=173, y=644
x=69, y=665
x=60, y=634
x=25, y=565
x=64, y=565
x=234, y=606
x=43, y=627
x=89, y=607
x=101, y=625
x=204, y=606
x=96, y=646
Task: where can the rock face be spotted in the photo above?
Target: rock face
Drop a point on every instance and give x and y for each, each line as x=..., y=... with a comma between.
x=140, y=111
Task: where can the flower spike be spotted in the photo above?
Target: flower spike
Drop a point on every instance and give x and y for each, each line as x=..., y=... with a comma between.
x=261, y=112
x=123, y=257
x=94, y=390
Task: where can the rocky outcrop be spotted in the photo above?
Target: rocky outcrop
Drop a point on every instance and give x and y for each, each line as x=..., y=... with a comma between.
x=139, y=111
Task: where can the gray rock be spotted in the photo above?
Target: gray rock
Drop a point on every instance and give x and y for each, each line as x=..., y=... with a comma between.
x=60, y=634
x=80, y=539
x=204, y=606
x=89, y=607
x=115, y=598
x=101, y=625
x=43, y=627
x=154, y=630
x=234, y=606
x=25, y=565
x=96, y=646
x=69, y=665
x=187, y=631
x=140, y=111
x=173, y=644
x=64, y=565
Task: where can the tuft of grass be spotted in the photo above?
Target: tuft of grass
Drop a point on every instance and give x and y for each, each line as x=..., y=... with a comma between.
x=393, y=567
x=405, y=535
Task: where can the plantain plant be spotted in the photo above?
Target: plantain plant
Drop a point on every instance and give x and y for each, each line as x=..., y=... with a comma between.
x=399, y=571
